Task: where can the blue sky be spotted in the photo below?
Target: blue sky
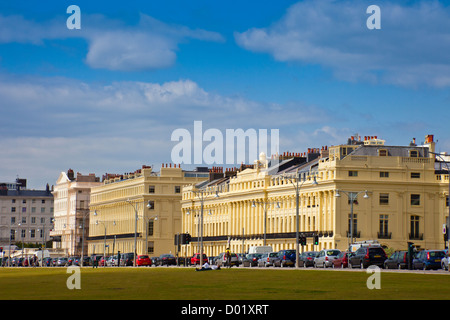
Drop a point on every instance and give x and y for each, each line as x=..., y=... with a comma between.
x=107, y=97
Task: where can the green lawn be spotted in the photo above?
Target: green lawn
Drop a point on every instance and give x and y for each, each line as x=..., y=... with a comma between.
x=227, y=284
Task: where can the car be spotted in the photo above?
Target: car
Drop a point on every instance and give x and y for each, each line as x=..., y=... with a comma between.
x=167, y=259
x=341, y=261
x=428, y=259
x=286, y=258
x=267, y=259
x=195, y=259
x=143, y=260
x=102, y=261
x=74, y=260
x=61, y=262
x=221, y=260
x=112, y=261
x=47, y=262
x=86, y=261
x=127, y=259
x=306, y=259
x=397, y=260
x=251, y=259
x=444, y=262
x=367, y=256
x=325, y=258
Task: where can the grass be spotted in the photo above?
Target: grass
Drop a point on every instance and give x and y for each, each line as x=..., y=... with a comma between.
x=225, y=284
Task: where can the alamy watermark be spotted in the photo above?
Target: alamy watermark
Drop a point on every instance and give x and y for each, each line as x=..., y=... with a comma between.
x=213, y=147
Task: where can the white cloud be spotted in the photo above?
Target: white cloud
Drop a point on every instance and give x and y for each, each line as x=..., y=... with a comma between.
x=409, y=50
x=151, y=44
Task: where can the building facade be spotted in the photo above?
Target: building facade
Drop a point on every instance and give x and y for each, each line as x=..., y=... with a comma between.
x=364, y=189
x=71, y=217
x=139, y=209
x=25, y=215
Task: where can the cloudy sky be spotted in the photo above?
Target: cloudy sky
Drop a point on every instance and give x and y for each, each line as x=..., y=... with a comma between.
x=107, y=97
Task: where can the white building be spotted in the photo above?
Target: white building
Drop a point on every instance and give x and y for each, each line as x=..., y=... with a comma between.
x=72, y=197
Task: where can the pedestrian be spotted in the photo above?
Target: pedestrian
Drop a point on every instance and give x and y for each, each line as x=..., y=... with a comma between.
x=228, y=253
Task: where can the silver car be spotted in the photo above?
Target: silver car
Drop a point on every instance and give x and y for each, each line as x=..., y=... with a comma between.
x=325, y=258
x=267, y=259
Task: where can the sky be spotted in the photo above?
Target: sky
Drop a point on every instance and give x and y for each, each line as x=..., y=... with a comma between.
x=107, y=97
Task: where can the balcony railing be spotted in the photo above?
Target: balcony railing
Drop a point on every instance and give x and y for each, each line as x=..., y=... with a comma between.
x=416, y=236
x=384, y=235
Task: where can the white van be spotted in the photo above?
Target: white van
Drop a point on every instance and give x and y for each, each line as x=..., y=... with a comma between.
x=367, y=243
x=260, y=249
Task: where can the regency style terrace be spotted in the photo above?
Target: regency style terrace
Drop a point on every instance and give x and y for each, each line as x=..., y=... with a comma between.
x=361, y=190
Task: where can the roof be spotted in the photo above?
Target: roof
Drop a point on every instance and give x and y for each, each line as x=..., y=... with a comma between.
x=27, y=193
x=393, y=151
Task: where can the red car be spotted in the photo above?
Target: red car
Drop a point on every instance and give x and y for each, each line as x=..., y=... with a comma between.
x=341, y=260
x=143, y=260
x=196, y=259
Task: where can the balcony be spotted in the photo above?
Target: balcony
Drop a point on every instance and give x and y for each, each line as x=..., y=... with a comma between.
x=384, y=235
x=415, y=236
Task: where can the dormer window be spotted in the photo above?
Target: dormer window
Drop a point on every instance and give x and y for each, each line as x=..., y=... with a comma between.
x=382, y=153
x=413, y=153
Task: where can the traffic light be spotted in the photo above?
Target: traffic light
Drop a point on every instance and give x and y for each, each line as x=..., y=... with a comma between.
x=302, y=240
x=316, y=240
x=187, y=238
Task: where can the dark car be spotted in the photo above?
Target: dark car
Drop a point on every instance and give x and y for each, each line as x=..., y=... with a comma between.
x=306, y=259
x=251, y=259
x=341, y=260
x=127, y=259
x=397, y=260
x=367, y=256
x=428, y=259
x=167, y=259
x=286, y=258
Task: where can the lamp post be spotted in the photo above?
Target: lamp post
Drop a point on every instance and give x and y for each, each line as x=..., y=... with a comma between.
x=104, y=246
x=297, y=187
x=146, y=220
x=135, y=225
x=352, y=195
x=265, y=203
x=201, y=194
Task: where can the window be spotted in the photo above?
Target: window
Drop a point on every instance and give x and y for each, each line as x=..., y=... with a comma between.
x=384, y=174
x=24, y=219
x=23, y=233
x=13, y=220
x=353, y=173
x=414, y=228
x=42, y=220
x=13, y=209
x=33, y=210
x=151, y=224
x=24, y=201
x=24, y=209
x=382, y=153
x=33, y=220
x=152, y=205
x=415, y=199
x=32, y=233
x=13, y=235
x=415, y=175
x=177, y=189
x=42, y=210
x=384, y=198
x=151, y=189
x=355, y=224
x=384, y=222
x=413, y=153
x=13, y=200
x=43, y=201
x=352, y=195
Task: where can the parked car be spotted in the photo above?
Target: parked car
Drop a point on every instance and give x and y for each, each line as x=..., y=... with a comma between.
x=325, y=258
x=341, y=261
x=74, y=260
x=127, y=259
x=397, y=260
x=367, y=256
x=195, y=259
x=62, y=262
x=167, y=259
x=47, y=262
x=444, y=262
x=143, y=260
x=221, y=261
x=102, y=261
x=87, y=261
x=267, y=259
x=286, y=258
x=251, y=259
x=428, y=259
x=306, y=259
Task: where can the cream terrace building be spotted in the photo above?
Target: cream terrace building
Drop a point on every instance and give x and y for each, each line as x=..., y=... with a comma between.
x=400, y=195
x=71, y=214
x=152, y=197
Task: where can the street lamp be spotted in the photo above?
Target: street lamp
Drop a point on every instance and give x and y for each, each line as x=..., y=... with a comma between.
x=297, y=187
x=149, y=206
x=104, y=247
x=201, y=193
x=265, y=203
x=352, y=195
